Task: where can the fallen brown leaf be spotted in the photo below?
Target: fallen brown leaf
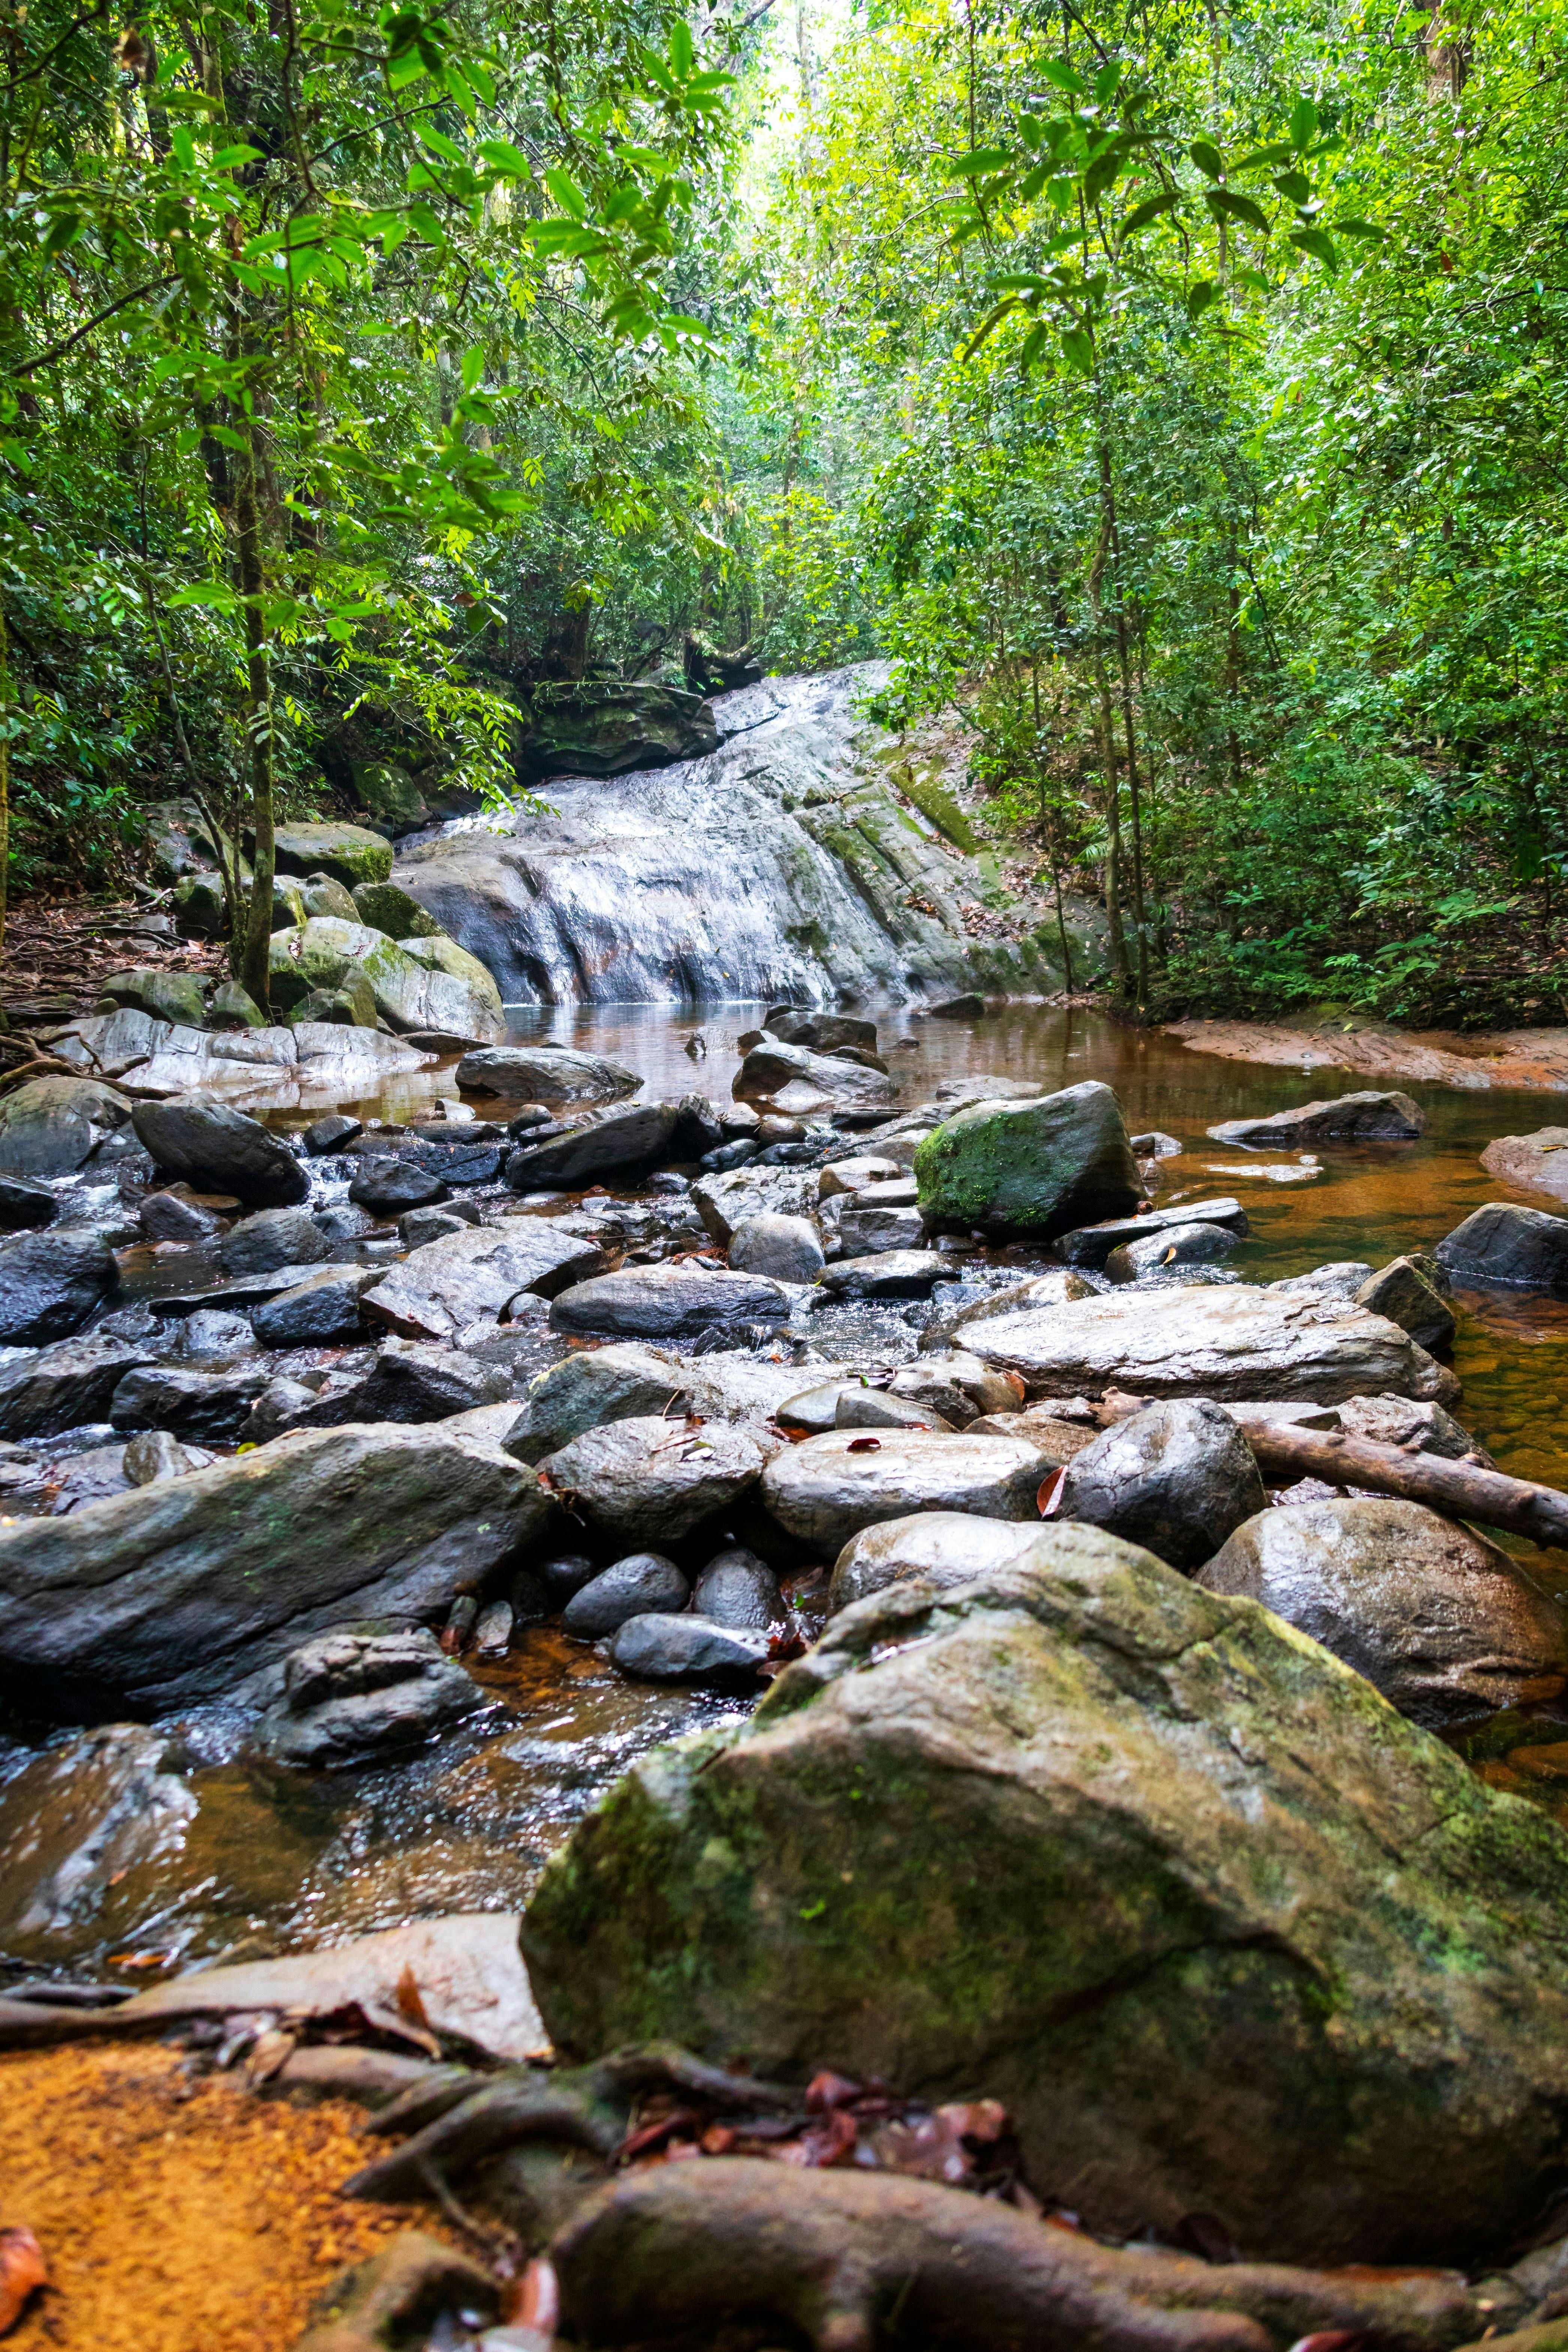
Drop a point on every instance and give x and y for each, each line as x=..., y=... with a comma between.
x=22, y=2271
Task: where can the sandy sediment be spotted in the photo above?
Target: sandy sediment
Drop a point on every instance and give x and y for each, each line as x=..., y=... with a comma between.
x=1531, y=1059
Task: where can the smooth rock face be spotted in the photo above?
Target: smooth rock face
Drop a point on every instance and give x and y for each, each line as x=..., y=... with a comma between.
x=388, y=1187
x=350, y=1695
x=175, y=996
x=786, y=1249
x=1092, y=1245
x=667, y=1302
x=859, y=1407
x=1365, y=1117
x=347, y=851
x=410, y=991
x=1238, y=1342
x=1537, y=1163
x=654, y=1648
x=1401, y=1292
x=1225, y=1922
x=645, y=1479
x=773, y=1068
x=617, y=1142
x=643, y=1580
x=1526, y=1248
x=1445, y=1624
x=322, y=1311
x=219, y=1150
x=738, y=1590
x=181, y=1215
x=1177, y=1478
x=626, y=1383
x=947, y=1548
x=546, y=1074
x=64, y=1386
x=476, y=1274
x=52, y=1126
x=74, y=1820
x=408, y=1382
x=889, y=1273
x=1177, y=1245
x=50, y=1284
x=24, y=1205
x=827, y=1488
x=190, y=1405
x=271, y=1238
x=1027, y=1171
x=181, y=1591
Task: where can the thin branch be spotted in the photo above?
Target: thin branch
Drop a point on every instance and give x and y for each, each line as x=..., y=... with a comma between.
x=58, y=350
x=47, y=60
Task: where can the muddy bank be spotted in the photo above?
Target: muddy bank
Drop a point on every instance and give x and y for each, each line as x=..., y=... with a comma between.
x=1531, y=1059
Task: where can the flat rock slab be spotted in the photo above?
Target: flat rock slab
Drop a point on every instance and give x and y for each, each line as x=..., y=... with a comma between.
x=1365, y=1117
x=653, y=1481
x=1536, y=1163
x=827, y=1488
x=475, y=1276
x=668, y=1302
x=889, y=1273
x=625, y=1381
x=1092, y=1245
x=546, y=1074
x=250, y=1289
x=349, y=853
x=262, y=1069
x=1238, y=1342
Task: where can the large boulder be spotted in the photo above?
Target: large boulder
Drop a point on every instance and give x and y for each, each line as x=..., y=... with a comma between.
x=1176, y=1478
x=219, y=1150
x=668, y=1302
x=731, y=1199
x=827, y=1488
x=347, y=851
x=1092, y=1245
x=186, y=1403
x=796, y=1081
x=1365, y=1117
x=605, y=727
x=1442, y=1623
x=388, y=908
x=52, y=1126
x=649, y=1482
x=1178, y=1245
x=408, y=1382
x=50, y=1282
x=1536, y=1163
x=1024, y=1171
x=410, y=991
x=611, y=1143
x=269, y=1238
x=175, y=996
x=1525, y=1248
x=183, y=1590
x=1402, y=1293
x=1221, y=1931
x=437, y=953
x=821, y=1033
x=322, y=1311
x=475, y=1276
x=545, y=1074
x=1237, y=1342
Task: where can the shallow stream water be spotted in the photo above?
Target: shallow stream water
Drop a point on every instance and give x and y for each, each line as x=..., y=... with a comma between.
x=273, y=1860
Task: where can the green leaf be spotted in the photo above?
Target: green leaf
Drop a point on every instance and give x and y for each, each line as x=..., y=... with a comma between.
x=438, y=142
x=1149, y=210
x=473, y=368
x=977, y=165
x=216, y=594
x=1358, y=228
x=1062, y=77
x=1295, y=185
x=1303, y=124
x=1207, y=158
x=1101, y=172
x=229, y=159
x=1225, y=204
x=1281, y=152
x=1107, y=80
x=502, y=156
x=682, y=51
x=1201, y=296
x=1077, y=349
x=1320, y=245
x=566, y=193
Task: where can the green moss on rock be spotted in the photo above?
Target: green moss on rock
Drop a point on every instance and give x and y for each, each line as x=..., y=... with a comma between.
x=1023, y=1170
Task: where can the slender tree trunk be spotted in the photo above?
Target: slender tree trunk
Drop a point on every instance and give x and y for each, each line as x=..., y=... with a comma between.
x=1107, y=499
x=1062, y=925
x=253, y=975
x=4, y=777
x=1119, y=957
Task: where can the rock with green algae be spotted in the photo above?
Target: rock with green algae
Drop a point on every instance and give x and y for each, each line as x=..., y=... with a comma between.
x=1020, y=1170
x=349, y=853
x=411, y=991
x=388, y=906
x=1222, y=1930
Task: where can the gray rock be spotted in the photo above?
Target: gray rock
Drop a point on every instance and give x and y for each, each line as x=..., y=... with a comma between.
x=1365, y=1117
x=1026, y=1171
x=173, y=996
x=968, y=1007
x=233, y=1007
x=946, y=1547
x=1345, y=1278
x=1091, y=1245
x=386, y=906
x=1156, y=1145
x=864, y=1232
x=1396, y=1421
x=331, y=1134
x=645, y=1480
x=738, y=1590
x=75, y=1820
x=821, y=1033
x=177, y=1594
x=1401, y=1292
x=1525, y=1248
x=855, y=1175
x=24, y=1205
x=50, y=1282
x=655, y=1648
x=323, y=894
x=1177, y=1245
x=418, y=1226
x=157, y=1454
x=565, y=1574
x=1177, y=1478
x=185, y=1217
x=476, y=1275
x=64, y=1386
x=52, y=1126
x=827, y=1488
x=786, y=1249
x=955, y=1384
x=890, y=1273
x=545, y=1074
x=493, y=1631
x=793, y=1080
x=277, y=1408
x=641, y=1581
x=210, y=1332
x=1054, y=1289
x=322, y=1311
x=1239, y=1342
x=731, y=1198
x=269, y=1238
x=414, y=985
x=387, y=1187
x=409, y=1383
x=867, y=1408
x=190, y=1405
x=667, y=1302
x=348, y=1695
x=1445, y=1624
x=613, y=1142
x=344, y=1221
x=347, y=853
x=218, y=1149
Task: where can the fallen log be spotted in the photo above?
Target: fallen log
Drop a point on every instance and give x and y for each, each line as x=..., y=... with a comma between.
x=1460, y=1490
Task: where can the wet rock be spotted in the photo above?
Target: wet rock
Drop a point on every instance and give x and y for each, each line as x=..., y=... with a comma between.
x=321, y=894
x=1238, y=1342
x=233, y=1007
x=957, y=1385
x=890, y=1273
x=191, y=1404
x=1054, y=1289
x=948, y=1548
x=24, y=1206
x=1525, y=1248
x=1030, y=1170
x=217, y=1150
x=654, y=1648
x=794, y=1080
x=77, y=1817
x=968, y=1007
x=668, y=1302
x=322, y=1311
x=158, y=1454
x=412, y=991
x=1445, y=1624
x=211, y=1332
x=348, y=1695
x=786, y=1249
x=63, y=1386
x=185, y=1217
x=388, y=906
x=613, y=1142
x=435, y=1224
x=409, y=1383
x=1091, y=1246
x=854, y=1175
x=1401, y=1292
x=346, y=852
x=277, y=1408
x=593, y=727
x=269, y=1238
x=1157, y=1145
x=565, y=1574
x=180, y=1593
x=50, y=1282
x=1396, y=1421
x=1177, y=1478
x=1177, y=1245
x=349, y=1005
x=827, y=1488
x=476, y=1274
x=388, y=1187
x=492, y=1634
x=738, y=1590
x=175, y=996
x=52, y=1126
x=1174, y=1816
x=644, y=1480
x=1364, y=1118
x=820, y=1032
x=865, y=1232
x=1345, y=1278
x=731, y=1198
x=545, y=1074
x=1059, y=1440
x=859, y=1407
x=628, y=1382
x=643, y=1580
x=1535, y=1162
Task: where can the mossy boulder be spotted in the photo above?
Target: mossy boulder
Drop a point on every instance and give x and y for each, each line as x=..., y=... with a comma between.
x=348, y=853
x=1026, y=1171
x=323, y=894
x=388, y=906
x=411, y=990
x=175, y=996
x=1224, y=1932
x=606, y=726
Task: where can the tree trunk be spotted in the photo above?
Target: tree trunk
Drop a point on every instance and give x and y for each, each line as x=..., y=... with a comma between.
x=5, y=778
x=254, y=975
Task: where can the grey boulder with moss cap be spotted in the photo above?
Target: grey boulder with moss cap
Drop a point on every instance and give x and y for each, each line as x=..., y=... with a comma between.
x=1221, y=1931
x=1027, y=1171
